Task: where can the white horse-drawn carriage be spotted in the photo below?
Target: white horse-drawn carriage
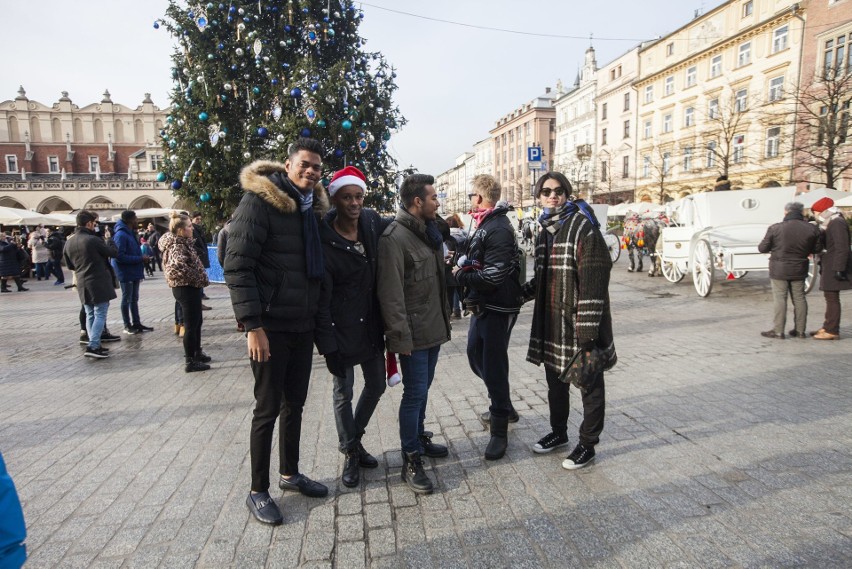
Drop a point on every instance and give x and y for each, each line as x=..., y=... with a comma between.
x=721, y=230
x=526, y=236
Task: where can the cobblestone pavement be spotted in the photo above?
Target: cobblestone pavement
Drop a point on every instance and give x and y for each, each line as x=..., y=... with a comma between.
x=721, y=448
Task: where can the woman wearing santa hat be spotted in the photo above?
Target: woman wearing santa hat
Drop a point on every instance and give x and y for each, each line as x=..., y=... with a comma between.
x=835, y=265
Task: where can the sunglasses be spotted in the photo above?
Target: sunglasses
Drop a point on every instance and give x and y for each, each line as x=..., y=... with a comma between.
x=471, y=195
x=560, y=191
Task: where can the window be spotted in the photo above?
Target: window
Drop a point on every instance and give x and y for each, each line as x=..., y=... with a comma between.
x=748, y=8
x=691, y=76
x=744, y=57
x=711, y=154
x=157, y=161
x=713, y=109
x=779, y=39
x=738, y=145
x=837, y=58
x=603, y=137
x=603, y=112
x=773, y=141
x=646, y=129
x=830, y=127
x=53, y=164
x=741, y=100
x=776, y=89
x=667, y=159
x=646, y=166
x=625, y=167
x=627, y=101
x=716, y=66
x=627, y=129
x=670, y=49
x=649, y=94
x=687, y=159
x=667, y=123
x=11, y=163
x=669, y=85
x=689, y=116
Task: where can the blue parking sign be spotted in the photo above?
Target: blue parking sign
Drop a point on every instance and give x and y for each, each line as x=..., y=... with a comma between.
x=534, y=154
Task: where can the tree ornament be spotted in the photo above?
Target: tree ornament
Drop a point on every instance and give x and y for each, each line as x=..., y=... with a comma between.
x=239, y=51
x=306, y=133
x=205, y=197
x=347, y=125
x=247, y=155
x=321, y=123
x=202, y=116
x=262, y=132
x=296, y=93
x=176, y=184
x=161, y=177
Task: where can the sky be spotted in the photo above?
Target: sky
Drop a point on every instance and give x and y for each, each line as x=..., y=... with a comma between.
x=454, y=80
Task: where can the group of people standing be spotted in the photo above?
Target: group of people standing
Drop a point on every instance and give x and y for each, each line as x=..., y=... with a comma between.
x=357, y=285
x=38, y=252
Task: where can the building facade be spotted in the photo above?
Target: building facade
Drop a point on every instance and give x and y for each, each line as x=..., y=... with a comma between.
x=713, y=97
x=63, y=157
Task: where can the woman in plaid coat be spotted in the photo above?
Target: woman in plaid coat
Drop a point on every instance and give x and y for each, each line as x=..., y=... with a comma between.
x=570, y=287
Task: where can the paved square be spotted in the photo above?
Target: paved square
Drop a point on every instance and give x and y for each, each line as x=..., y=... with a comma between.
x=721, y=448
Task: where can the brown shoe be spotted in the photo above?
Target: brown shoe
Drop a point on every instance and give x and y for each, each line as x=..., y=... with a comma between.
x=820, y=331
x=823, y=335
x=177, y=329
x=182, y=331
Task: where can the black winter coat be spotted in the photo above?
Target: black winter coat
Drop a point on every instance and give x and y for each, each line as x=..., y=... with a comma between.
x=265, y=267
x=200, y=245
x=349, y=319
x=837, y=257
x=9, y=264
x=88, y=256
x=495, y=284
x=789, y=243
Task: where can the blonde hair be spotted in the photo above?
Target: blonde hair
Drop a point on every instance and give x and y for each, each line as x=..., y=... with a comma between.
x=177, y=221
x=488, y=187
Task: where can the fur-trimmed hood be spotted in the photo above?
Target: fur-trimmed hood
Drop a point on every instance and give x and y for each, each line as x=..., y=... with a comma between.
x=254, y=178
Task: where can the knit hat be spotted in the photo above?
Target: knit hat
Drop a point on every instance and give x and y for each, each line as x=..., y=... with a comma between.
x=822, y=204
x=349, y=176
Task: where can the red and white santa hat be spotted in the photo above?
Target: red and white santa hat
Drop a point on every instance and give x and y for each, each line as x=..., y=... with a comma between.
x=349, y=176
x=822, y=204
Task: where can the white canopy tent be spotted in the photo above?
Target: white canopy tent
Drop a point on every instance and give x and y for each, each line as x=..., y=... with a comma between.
x=844, y=202
x=15, y=216
x=151, y=213
x=809, y=198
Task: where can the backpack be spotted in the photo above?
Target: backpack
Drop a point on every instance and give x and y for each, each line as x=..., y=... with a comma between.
x=54, y=243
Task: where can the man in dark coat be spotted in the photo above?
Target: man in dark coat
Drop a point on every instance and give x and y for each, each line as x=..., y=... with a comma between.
x=129, y=265
x=88, y=255
x=153, y=237
x=274, y=269
x=55, y=244
x=490, y=278
x=789, y=244
x=349, y=324
x=10, y=264
x=835, y=265
x=200, y=245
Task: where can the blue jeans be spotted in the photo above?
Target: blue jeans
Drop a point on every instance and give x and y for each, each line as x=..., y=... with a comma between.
x=418, y=370
x=130, y=303
x=96, y=315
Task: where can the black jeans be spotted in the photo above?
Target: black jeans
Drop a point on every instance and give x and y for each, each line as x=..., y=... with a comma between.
x=189, y=299
x=351, y=427
x=593, y=408
x=488, y=355
x=280, y=390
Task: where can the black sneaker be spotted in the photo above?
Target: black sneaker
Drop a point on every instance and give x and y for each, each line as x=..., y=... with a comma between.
x=107, y=337
x=143, y=328
x=99, y=353
x=550, y=443
x=84, y=338
x=580, y=457
x=131, y=330
x=485, y=418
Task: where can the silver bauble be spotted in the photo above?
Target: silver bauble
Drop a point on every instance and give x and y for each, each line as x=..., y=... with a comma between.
x=247, y=155
x=239, y=51
x=228, y=86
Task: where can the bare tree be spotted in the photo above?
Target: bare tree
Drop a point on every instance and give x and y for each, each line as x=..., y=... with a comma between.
x=726, y=121
x=659, y=168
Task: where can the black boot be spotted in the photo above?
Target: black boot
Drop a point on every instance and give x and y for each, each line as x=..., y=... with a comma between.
x=499, y=438
x=413, y=473
x=20, y=282
x=4, y=287
x=192, y=364
x=202, y=357
x=351, y=469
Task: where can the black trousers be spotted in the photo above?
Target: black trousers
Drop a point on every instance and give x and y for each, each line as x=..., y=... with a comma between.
x=280, y=390
x=189, y=298
x=593, y=408
x=832, y=311
x=488, y=355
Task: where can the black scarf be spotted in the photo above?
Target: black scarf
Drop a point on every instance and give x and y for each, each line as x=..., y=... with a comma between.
x=315, y=265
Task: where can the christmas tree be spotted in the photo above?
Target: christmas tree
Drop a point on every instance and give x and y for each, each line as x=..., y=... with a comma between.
x=251, y=77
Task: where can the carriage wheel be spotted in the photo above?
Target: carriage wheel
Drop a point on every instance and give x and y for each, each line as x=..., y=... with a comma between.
x=614, y=246
x=702, y=268
x=813, y=274
x=671, y=271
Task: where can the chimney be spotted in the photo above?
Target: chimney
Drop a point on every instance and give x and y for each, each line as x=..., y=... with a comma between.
x=546, y=90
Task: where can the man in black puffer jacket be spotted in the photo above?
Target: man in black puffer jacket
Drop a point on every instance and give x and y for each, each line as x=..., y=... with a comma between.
x=490, y=275
x=274, y=268
x=349, y=325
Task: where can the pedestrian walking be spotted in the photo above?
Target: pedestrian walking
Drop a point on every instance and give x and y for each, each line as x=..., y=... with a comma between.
x=55, y=244
x=570, y=287
x=835, y=265
x=274, y=269
x=186, y=276
x=10, y=264
x=40, y=253
x=129, y=266
x=413, y=300
x=789, y=243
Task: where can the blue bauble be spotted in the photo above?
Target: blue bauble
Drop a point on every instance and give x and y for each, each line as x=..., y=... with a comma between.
x=347, y=125
x=386, y=136
x=176, y=185
x=321, y=123
x=255, y=90
x=173, y=143
x=191, y=15
x=330, y=32
x=220, y=46
x=287, y=28
x=306, y=133
x=205, y=197
x=338, y=153
x=275, y=80
x=161, y=177
x=156, y=25
x=232, y=10
x=314, y=86
x=223, y=97
x=202, y=116
x=295, y=92
x=262, y=132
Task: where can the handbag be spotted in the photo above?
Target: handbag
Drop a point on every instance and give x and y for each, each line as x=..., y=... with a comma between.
x=584, y=368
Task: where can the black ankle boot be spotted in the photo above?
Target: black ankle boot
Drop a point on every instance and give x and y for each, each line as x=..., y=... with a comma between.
x=202, y=357
x=413, y=473
x=20, y=282
x=351, y=469
x=193, y=364
x=499, y=438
